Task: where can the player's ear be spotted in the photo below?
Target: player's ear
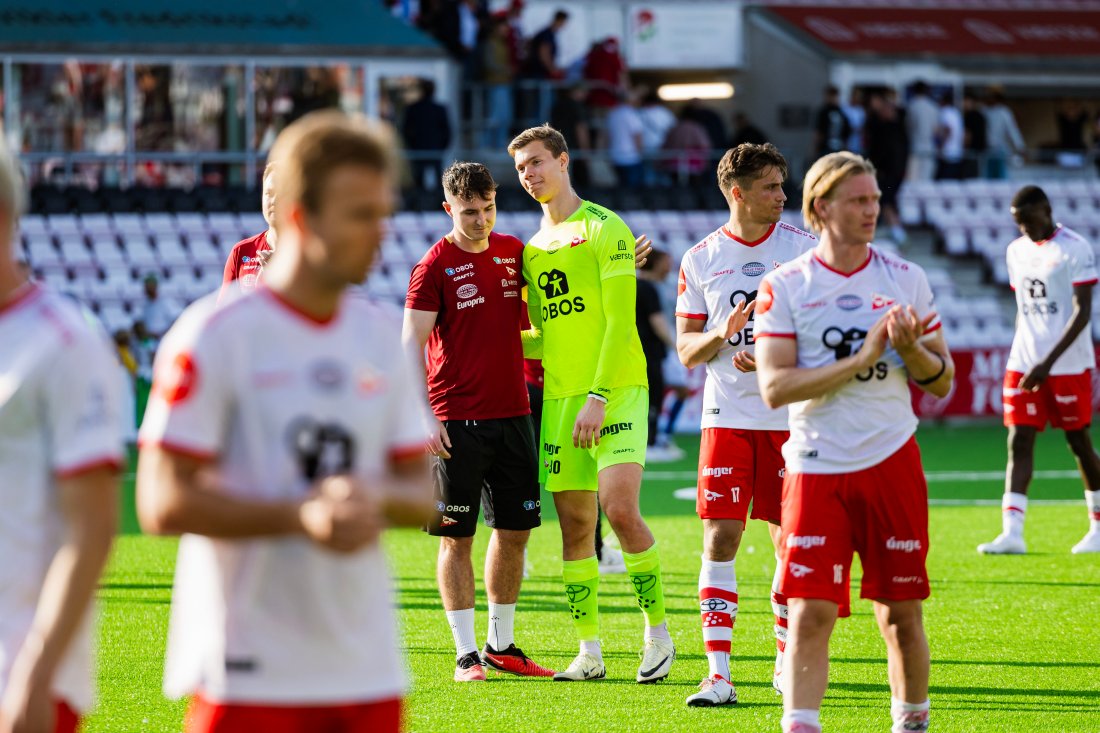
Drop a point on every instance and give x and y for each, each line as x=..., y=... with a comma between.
x=564, y=158
x=447, y=208
x=821, y=206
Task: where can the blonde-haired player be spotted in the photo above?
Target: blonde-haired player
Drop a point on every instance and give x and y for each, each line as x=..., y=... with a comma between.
x=840, y=332
x=285, y=430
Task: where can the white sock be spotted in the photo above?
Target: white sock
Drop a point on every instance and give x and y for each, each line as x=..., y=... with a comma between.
x=779, y=610
x=660, y=631
x=462, y=628
x=502, y=624
x=593, y=648
x=1013, y=510
x=805, y=720
x=1092, y=501
x=718, y=588
x=909, y=716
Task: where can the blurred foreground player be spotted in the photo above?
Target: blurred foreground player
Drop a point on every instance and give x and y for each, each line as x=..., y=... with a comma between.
x=60, y=453
x=840, y=331
x=464, y=303
x=286, y=430
x=581, y=299
x=1049, y=370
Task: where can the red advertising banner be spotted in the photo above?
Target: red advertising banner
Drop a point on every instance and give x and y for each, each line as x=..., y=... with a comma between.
x=979, y=376
x=949, y=31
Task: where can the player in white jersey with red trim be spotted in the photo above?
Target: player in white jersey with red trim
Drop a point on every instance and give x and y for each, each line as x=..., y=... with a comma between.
x=284, y=431
x=1049, y=370
x=739, y=455
x=61, y=449
x=840, y=332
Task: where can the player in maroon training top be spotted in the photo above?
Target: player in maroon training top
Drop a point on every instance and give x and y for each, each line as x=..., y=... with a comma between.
x=246, y=259
x=465, y=303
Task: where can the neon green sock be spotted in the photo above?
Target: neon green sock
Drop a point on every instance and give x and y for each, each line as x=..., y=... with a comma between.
x=644, y=569
x=582, y=585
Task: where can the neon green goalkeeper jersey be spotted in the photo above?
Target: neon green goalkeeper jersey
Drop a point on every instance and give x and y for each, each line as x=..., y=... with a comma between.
x=581, y=291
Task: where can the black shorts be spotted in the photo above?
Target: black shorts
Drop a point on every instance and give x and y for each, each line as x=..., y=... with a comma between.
x=496, y=461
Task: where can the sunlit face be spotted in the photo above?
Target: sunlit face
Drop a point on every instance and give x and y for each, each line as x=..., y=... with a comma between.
x=763, y=199
x=541, y=174
x=269, y=198
x=851, y=213
x=342, y=239
x=1034, y=221
x=474, y=217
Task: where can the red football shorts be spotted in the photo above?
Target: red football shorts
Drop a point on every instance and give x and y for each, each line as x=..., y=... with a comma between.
x=1063, y=400
x=204, y=716
x=65, y=718
x=880, y=512
x=737, y=467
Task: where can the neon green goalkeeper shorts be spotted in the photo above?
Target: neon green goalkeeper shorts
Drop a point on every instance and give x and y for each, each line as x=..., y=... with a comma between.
x=622, y=439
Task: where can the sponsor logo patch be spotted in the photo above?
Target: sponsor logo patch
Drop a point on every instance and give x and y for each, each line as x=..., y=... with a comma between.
x=805, y=541
x=753, y=269
x=849, y=302
x=903, y=545
x=467, y=291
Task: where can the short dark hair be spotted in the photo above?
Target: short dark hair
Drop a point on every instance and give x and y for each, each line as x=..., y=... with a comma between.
x=747, y=162
x=561, y=15
x=551, y=138
x=653, y=259
x=465, y=180
x=1030, y=196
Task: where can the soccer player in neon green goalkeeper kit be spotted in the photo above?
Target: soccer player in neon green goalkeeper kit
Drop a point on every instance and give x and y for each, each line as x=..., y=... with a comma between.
x=579, y=269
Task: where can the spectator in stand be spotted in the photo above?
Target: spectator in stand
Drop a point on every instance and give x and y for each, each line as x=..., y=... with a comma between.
x=712, y=124
x=155, y=313
x=572, y=117
x=542, y=63
x=1072, y=119
x=832, y=128
x=975, y=137
x=687, y=149
x=746, y=132
x=657, y=120
x=949, y=135
x=498, y=73
x=856, y=112
x=427, y=133
x=624, y=135
x=887, y=144
x=516, y=45
x=1004, y=136
x=922, y=118
x=605, y=73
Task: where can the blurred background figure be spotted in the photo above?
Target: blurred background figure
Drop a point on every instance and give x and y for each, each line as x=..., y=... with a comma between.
x=832, y=128
x=427, y=133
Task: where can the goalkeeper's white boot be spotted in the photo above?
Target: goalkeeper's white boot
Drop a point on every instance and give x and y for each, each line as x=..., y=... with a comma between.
x=584, y=667
x=1090, y=543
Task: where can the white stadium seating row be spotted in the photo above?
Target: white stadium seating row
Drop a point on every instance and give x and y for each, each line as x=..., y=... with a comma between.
x=102, y=259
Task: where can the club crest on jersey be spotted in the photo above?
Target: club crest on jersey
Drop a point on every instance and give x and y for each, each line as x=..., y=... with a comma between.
x=576, y=241
x=849, y=302
x=879, y=301
x=368, y=381
x=753, y=269
x=776, y=264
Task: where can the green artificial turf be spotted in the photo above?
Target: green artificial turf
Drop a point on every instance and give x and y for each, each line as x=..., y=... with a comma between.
x=1013, y=640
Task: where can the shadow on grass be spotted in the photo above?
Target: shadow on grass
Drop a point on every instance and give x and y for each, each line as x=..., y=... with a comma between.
x=974, y=663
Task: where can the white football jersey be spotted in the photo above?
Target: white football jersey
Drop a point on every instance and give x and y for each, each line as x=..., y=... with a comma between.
x=715, y=275
x=59, y=417
x=1043, y=274
x=828, y=314
x=276, y=400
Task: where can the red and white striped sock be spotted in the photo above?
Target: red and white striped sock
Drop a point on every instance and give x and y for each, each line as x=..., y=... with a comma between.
x=779, y=609
x=718, y=611
x=1013, y=510
x=1092, y=501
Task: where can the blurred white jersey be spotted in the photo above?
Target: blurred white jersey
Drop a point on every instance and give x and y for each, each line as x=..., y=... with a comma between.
x=715, y=275
x=276, y=400
x=1043, y=274
x=828, y=313
x=59, y=417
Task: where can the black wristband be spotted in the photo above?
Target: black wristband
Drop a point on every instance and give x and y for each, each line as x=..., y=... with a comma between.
x=943, y=368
